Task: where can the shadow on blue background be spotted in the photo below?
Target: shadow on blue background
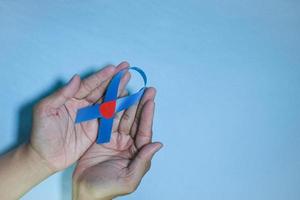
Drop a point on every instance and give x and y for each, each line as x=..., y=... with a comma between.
x=25, y=118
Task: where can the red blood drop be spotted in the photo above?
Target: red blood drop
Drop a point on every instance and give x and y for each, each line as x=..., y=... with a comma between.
x=107, y=109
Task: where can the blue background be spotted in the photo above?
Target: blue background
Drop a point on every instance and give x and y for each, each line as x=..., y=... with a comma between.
x=227, y=75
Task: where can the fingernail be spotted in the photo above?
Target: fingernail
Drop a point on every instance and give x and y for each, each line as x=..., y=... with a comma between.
x=72, y=78
x=159, y=146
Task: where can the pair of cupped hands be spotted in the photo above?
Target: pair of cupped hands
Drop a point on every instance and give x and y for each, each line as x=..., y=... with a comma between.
x=103, y=171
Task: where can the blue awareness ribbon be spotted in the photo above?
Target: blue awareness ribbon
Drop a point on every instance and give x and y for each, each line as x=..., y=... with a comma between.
x=110, y=106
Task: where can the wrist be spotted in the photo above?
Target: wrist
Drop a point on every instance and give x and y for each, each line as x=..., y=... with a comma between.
x=23, y=166
x=82, y=192
x=36, y=161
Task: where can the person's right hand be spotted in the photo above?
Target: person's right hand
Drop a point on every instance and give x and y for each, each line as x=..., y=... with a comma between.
x=55, y=137
x=116, y=168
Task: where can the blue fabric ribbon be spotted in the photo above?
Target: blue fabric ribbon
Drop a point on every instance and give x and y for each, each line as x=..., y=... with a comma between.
x=111, y=105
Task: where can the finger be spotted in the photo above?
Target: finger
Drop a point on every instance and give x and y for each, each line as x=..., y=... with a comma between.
x=121, y=93
x=121, y=66
x=95, y=80
x=118, y=115
x=144, y=132
x=97, y=93
x=127, y=120
x=148, y=95
x=141, y=163
x=125, y=79
x=60, y=97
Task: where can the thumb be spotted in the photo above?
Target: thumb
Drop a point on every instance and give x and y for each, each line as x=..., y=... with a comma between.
x=60, y=97
x=141, y=163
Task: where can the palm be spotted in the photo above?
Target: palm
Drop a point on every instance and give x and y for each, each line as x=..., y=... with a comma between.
x=58, y=139
x=55, y=136
x=109, y=165
x=107, y=162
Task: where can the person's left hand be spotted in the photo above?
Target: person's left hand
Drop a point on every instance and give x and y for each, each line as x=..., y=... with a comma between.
x=55, y=137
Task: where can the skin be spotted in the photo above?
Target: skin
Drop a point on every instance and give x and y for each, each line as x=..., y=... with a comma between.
x=103, y=171
x=113, y=169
